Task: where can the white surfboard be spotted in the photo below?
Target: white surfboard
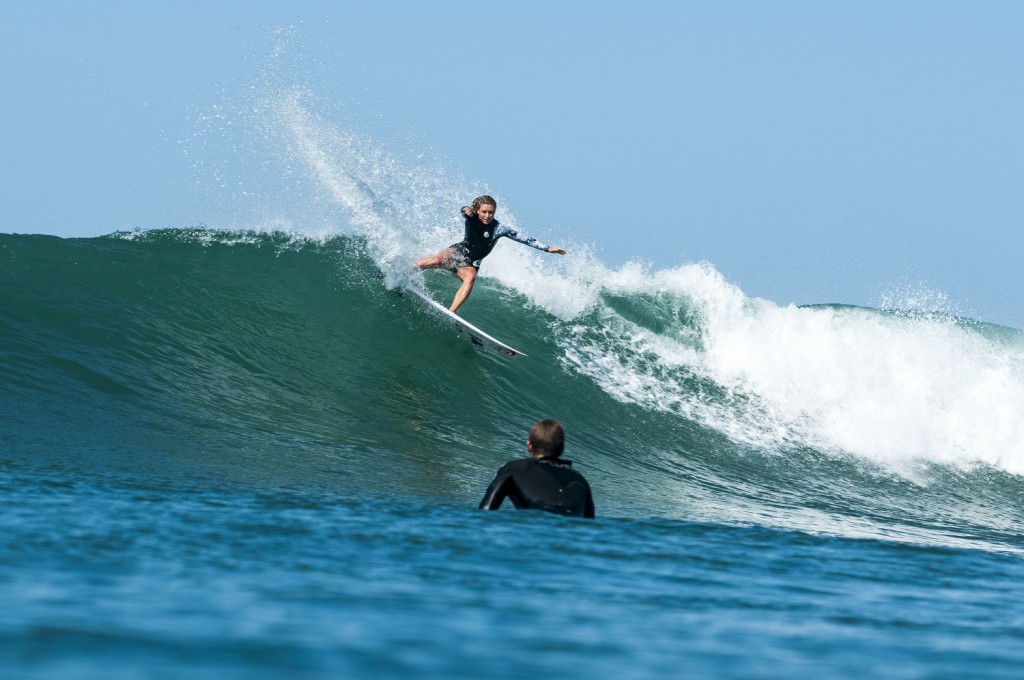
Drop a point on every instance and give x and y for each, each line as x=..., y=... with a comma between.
x=463, y=327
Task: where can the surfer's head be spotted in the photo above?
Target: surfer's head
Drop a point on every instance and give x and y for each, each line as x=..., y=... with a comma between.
x=480, y=208
x=547, y=439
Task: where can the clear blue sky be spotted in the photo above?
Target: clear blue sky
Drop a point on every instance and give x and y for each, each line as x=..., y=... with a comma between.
x=812, y=151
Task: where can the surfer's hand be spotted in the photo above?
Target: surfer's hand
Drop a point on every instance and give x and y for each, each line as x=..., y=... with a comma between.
x=556, y=249
x=468, y=212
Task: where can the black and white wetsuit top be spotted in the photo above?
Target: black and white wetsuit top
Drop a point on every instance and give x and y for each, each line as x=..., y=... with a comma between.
x=480, y=239
x=541, y=484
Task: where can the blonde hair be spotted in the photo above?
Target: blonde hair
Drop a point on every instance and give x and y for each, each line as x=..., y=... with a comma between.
x=483, y=200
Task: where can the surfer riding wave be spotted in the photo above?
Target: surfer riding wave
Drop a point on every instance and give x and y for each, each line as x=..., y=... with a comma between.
x=481, y=235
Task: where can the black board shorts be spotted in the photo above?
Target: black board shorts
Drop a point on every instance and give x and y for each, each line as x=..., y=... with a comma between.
x=461, y=258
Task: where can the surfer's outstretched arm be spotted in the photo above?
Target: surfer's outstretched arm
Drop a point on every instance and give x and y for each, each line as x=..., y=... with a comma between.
x=508, y=232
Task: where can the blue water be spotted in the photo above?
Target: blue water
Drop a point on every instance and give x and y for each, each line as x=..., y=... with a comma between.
x=105, y=580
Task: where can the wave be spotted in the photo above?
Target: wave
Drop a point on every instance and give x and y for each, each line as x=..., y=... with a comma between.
x=265, y=357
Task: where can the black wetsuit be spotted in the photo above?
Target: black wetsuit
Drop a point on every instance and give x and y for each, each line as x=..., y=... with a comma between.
x=541, y=484
x=479, y=240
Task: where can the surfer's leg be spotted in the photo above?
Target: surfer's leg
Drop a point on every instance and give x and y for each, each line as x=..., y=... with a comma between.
x=468, y=276
x=442, y=260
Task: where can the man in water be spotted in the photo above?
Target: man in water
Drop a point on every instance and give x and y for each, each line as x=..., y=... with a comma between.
x=543, y=481
x=482, y=233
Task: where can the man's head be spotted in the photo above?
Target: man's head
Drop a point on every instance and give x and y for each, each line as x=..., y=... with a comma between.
x=547, y=439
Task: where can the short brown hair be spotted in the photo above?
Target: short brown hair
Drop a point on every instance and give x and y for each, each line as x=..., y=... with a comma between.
x=484, y=200
x=548, y=438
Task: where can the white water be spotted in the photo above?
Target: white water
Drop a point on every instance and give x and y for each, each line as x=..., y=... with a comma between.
x=897, y=389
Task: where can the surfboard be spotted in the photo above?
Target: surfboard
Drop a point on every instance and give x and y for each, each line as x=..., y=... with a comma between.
x=465, y=329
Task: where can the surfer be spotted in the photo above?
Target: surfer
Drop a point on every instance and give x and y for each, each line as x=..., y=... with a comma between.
x=544, y=481
x=482, y=233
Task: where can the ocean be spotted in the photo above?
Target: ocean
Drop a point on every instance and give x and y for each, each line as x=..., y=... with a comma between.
x=234, y=450
x=242, y=454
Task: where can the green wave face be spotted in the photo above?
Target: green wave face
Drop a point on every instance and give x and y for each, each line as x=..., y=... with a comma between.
x=264, y=359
